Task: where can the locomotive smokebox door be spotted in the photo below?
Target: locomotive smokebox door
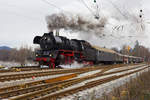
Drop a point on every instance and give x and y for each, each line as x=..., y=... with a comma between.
x=37, y=40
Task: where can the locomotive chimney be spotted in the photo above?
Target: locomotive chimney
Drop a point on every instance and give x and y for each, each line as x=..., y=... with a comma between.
x=57, y=32
x=51, y=32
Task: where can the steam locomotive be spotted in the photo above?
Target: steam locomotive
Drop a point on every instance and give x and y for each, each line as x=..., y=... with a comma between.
x=58, y=50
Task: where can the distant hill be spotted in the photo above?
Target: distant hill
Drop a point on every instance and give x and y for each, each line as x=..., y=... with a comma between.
x=5, y=48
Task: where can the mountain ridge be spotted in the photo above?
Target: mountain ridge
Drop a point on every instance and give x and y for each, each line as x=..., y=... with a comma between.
x=5, y=48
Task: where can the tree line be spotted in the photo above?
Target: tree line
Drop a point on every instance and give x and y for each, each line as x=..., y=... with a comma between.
x=138, y=51
x=21, y=55
x=25, y=54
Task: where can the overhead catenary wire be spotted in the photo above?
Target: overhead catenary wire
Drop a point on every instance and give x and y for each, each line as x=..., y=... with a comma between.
x=87, y=6
x=125, y=15
x=51, y=4
x=117, y=9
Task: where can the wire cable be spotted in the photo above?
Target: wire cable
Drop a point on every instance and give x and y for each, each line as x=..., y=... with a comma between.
x=117, y=9
x=45, y=1
x=87, y=7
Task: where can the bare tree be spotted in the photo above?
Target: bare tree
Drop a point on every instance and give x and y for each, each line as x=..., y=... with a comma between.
x=22, y=55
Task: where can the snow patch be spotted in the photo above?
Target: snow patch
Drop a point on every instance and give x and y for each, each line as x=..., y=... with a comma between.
x=89, y=73
x=74, y=65
x=8, y=65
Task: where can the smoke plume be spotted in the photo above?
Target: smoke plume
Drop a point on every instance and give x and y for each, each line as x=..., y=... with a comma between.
x=75, y=23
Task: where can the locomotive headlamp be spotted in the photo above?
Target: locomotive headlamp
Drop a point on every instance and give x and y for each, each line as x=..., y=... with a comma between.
x=50, y=55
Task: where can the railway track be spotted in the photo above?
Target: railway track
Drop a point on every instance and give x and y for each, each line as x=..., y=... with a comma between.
x=18, y=76
x=25, y=68
x=41, y=88
x=24, y=75
x=41, y=81
x=88, y=85
x=20, y=69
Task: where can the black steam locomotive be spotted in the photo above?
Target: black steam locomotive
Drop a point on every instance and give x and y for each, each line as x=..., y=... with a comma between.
x=57, y=50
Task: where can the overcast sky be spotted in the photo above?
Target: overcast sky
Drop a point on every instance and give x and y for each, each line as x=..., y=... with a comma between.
x=21, y=20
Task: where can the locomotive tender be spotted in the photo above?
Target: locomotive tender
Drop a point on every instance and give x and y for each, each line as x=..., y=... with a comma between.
x=57, y=50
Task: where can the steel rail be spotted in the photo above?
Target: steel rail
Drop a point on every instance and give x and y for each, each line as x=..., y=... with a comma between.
x=59, y=86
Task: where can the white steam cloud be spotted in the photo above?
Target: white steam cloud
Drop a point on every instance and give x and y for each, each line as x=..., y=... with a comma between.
x=73, y=65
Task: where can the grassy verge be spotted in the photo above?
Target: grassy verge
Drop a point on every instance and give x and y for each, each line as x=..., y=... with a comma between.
x=135, y=89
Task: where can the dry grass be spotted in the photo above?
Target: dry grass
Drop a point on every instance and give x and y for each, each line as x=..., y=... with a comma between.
x=135, y=89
